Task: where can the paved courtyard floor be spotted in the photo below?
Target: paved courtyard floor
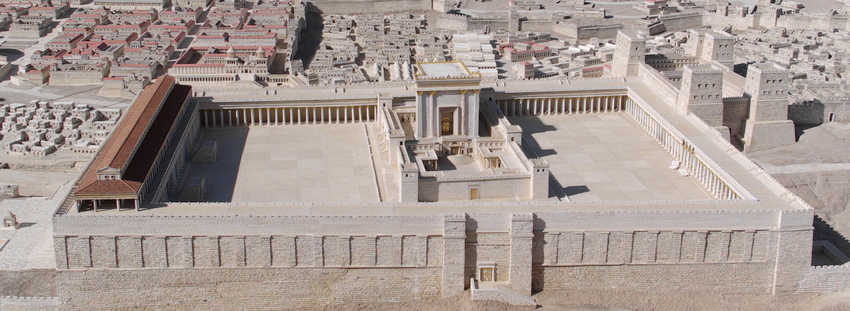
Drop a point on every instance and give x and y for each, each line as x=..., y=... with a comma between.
x=306, y=163
x=606, y=156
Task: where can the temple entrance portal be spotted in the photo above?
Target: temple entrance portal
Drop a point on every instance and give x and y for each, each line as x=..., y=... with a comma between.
x=447, y=122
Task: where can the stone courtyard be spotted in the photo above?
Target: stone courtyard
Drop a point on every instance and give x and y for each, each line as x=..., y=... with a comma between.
x=606, y=157
x=315, y=163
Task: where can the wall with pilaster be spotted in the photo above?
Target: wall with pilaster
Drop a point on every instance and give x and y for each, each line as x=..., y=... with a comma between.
x=232, y=262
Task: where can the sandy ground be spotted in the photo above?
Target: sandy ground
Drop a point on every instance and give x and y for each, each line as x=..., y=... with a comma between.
x=622, y=300
x=817, y=168
x=28, y=283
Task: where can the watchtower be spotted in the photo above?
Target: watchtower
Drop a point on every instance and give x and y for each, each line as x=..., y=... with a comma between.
x=768, y=125
x=718, y=47
x=702, y=93
x=629, y=54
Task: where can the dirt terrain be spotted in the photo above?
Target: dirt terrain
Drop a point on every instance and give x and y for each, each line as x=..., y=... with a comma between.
x=625, y=300
x=817, y=168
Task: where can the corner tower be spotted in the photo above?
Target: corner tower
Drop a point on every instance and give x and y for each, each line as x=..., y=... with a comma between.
x=768, y=125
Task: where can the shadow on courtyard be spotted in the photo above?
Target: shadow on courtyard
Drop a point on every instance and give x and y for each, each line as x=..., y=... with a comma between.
x=532, y=125
x=220, y=176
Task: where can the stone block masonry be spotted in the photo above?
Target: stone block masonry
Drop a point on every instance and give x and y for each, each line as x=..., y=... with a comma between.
x=242, y=289
x=215, y=262
x=206, y=153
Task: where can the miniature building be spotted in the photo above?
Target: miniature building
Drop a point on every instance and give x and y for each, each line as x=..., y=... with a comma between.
x=10, y=221
x=630, y=53
x=446, y=133
x=8, y=191
x=768, y=125
x=435, y=182
x=119, y=172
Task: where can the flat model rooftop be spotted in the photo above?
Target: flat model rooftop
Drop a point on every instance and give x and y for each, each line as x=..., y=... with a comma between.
x=445, y=69
x=606, y=156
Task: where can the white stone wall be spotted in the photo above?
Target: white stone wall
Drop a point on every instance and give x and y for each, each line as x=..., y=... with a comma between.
x=458, y=190
x=826, y=279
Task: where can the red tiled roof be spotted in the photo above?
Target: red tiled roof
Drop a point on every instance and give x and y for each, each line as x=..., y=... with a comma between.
x=153, y=112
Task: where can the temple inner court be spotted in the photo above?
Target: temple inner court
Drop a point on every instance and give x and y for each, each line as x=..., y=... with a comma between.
x=281, y=163
x=605, y=156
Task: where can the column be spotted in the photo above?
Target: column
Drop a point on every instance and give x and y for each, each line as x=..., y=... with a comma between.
x=94, y=202
x=359, y=110
x=118, y=205
x=464, y=105
x=136, y=203
x=584, y=105
x=432, y=114
x=536, y=102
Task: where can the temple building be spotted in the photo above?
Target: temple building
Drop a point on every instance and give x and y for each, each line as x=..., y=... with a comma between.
x=452, y=161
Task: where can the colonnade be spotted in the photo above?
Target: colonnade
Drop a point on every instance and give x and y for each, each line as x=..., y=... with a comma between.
x=566, y=105
x=682, y=151
x=101, y=204
x=287, y=115
x=182, y=79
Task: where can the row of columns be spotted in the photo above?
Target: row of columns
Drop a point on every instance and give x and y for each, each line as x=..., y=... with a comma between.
x=683, y=152
x=286, y=115
x=205, y=79
x=118, y=204
x=569, y=105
